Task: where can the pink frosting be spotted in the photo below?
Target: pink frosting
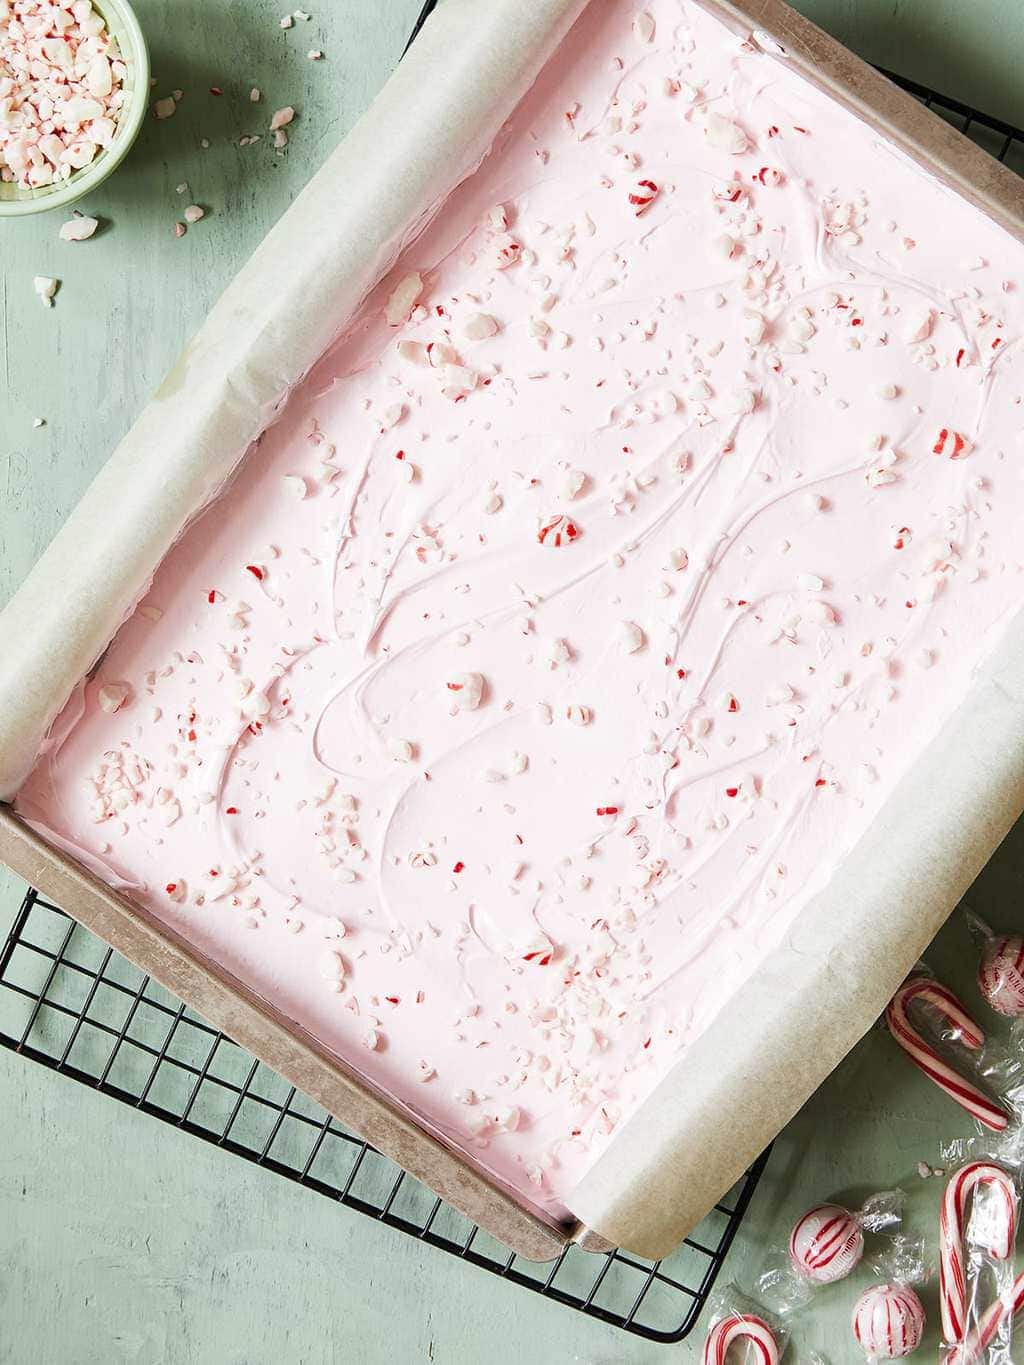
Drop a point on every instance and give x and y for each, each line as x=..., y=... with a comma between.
x=505, y=712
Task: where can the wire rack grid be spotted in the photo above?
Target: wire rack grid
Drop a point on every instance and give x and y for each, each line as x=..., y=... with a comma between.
x=73, y=1005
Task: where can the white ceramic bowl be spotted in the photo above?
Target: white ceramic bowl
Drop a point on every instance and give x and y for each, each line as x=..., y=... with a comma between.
x=15, y=200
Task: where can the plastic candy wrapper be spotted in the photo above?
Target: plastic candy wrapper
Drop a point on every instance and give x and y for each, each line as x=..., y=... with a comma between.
x=826, y=1244
x=1000, y=967
x=888, y=1320
x=940, y=1036
x=738, y=1319
x=979, y=1294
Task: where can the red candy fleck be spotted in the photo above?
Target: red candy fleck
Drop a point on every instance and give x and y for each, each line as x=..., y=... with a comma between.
x=607, y=810
x=171, y=887
x=231, y=810
x=255, y=570
x=542, y=957
x=820, y=782
x=732, y=791
x=458, y=867
x=734, y=705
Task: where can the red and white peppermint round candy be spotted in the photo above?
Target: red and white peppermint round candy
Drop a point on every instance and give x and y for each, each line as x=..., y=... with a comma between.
x=642, y=195
x=1001, y=974
x=826, y=1244
x=741, y=1327
x=888, y=1321
x=952, y=445
x=560, y=530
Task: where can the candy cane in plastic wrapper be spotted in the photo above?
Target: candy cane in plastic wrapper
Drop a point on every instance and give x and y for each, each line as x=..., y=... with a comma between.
x=998, y=1241
x=927, y=991
x=741, y=1327
x=972, y=1349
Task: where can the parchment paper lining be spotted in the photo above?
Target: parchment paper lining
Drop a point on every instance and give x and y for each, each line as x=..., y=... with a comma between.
x=824, y=987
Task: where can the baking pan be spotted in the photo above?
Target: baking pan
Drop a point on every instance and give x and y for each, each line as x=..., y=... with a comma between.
x=654, y=1182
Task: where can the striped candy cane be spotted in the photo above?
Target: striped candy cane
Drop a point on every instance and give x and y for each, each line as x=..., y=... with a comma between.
x=976, y=1343
x=952, y=1220
x=741, y=1327
x=923, y=1055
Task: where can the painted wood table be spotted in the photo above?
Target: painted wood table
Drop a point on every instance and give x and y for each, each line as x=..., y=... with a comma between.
x=120, y=1238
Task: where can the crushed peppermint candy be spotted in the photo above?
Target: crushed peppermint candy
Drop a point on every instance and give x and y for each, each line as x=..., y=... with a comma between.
x=61, y=90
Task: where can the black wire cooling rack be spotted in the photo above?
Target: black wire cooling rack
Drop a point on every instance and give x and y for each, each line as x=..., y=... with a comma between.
x=72, y=1004
x=75, y=1006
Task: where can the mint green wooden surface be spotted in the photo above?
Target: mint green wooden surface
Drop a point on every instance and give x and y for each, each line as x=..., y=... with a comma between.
x=120, y=1239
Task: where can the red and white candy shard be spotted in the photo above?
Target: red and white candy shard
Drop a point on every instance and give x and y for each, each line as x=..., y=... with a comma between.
x=723, y=134
x=924, y=1056
x=1001, y=974
x=951, y=445
x=995, y=1235
x=642, y=195
x=403, y=299
x=920, y=328
x=480, y=326
x=826, y=1244
x=465, y=691
x=888, y=1321
x=504, y=251
x=112, y=696
x=558, y=530
x=643, y=27
x=748, y=1327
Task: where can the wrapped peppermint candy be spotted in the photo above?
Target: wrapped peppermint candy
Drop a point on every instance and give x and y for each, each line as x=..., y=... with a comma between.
x=826, y=1244
x=978, y=1223
x=1001, y=968
x=738, y=1320
x=888, y=1321
x=978, y=1075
